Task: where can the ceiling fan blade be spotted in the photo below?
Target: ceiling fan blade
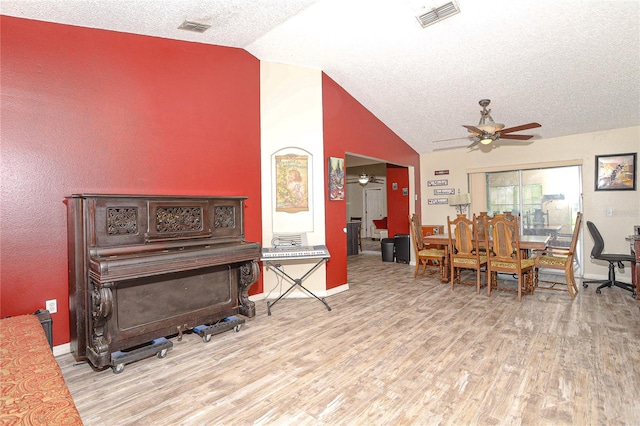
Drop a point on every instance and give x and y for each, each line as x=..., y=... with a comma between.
x=519, y=128
x=473, y=129
x=453, y=139
x=518, y=137
x=475, y=142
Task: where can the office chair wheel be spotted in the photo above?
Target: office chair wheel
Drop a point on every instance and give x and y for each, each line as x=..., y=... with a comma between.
x=585, y=285
x=598, y=291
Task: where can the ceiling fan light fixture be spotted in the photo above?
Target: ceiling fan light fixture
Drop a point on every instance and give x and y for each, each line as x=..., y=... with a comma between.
x=363, y=179
x=486, y=140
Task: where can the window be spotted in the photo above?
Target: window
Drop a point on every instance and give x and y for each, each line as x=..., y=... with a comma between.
x=547, y=200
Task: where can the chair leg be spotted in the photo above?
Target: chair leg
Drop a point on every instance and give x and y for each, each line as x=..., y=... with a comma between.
x=611, y=282
x=571, y=282
x=520, y=287
x=492, y=277
x=486, y=277
x=420, y=262
x=425, y=262
x=453, y=276
x=607, y=283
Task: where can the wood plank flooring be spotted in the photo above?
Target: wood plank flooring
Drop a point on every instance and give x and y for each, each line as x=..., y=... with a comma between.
x=394, y=350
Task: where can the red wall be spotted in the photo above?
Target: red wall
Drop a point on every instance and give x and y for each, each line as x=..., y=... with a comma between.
x=397, y=201
x=86, y=110
x=350, y=127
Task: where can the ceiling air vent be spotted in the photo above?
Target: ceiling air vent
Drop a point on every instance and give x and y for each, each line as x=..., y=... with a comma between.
x=438, y=14
x=196, y=27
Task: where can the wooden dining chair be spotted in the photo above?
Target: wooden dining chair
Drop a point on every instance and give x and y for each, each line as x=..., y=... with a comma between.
x=560, y=258
x=464, y=250
x=480, y=221
x=505, y=254
x=424, y=255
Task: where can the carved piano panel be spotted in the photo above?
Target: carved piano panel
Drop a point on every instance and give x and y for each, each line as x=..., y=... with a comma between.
x=144, y=267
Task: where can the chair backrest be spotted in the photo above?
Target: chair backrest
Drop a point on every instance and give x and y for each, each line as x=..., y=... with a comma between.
x=480, y=220
x=463, y=230
x=598, y=242
x=416, y=232
x=505, y=238
x=563, y=251
x=576, y=232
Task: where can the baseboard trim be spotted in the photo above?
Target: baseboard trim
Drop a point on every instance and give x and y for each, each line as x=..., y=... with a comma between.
x=63, y=349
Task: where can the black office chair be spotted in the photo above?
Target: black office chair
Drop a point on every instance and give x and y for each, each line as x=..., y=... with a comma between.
x=613, y=259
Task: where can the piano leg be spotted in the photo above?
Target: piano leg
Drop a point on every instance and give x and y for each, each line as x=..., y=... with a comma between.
x=297, y=282
x=249, y=273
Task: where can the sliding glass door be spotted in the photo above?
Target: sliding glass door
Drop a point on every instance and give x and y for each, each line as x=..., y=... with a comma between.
x=547, y=200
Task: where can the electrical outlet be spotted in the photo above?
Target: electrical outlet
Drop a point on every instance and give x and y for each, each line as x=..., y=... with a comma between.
x=51, y=306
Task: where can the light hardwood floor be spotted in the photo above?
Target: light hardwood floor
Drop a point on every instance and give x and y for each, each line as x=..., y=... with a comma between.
x=394, y=350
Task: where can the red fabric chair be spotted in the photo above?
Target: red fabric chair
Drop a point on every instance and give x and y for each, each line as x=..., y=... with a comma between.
x=378, y=225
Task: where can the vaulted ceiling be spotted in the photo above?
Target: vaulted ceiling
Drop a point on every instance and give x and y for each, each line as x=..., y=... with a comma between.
x=571, y=65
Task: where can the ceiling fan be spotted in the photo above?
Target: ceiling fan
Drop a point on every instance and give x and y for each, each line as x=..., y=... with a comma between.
x=488, y=131
x=364, y=179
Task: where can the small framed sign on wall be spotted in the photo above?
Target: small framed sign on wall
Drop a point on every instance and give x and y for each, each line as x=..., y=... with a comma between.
x=444, y=191
x=435, y=201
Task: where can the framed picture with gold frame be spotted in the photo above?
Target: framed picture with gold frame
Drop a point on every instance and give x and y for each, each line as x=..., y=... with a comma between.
x=292, y=184
x=616, y=172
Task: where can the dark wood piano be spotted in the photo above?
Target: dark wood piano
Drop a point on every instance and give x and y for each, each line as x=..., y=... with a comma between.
x=142, y=268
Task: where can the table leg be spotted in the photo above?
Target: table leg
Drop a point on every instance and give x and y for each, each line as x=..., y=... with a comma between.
x=635, y=278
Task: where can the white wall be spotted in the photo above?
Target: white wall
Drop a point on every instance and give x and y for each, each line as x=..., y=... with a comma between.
x=291, y=121
x=582, y=148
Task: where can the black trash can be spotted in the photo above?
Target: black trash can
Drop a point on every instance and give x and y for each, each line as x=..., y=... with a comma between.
x=402, y=244
x=387, y=246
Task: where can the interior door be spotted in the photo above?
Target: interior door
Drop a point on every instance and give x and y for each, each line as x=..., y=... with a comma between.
x=373, y=208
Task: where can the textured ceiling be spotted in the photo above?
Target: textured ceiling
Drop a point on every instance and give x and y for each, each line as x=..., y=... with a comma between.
x=573, y=66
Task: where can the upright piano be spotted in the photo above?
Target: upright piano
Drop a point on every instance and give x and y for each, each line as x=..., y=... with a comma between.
x=145, y=267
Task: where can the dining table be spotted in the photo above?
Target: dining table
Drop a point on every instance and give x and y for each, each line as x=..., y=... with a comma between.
x=551, y=230
x=528, y=244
